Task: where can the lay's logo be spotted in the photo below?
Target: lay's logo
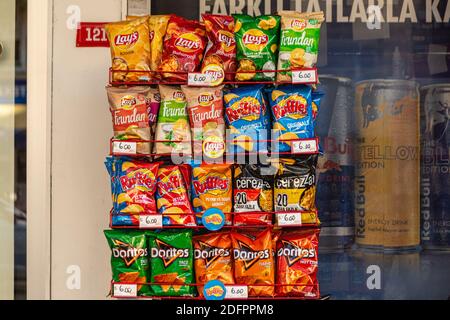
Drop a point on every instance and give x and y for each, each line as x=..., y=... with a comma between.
x=255, y=37
x=248, y=109
x=227, y=39
x=127, y=101
x=294, y=107
x=215, y=291
x=205, y=99
x=188, y=42
x=298, y=25
x=126, y=39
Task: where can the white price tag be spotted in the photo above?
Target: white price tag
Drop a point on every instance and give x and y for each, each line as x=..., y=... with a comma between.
x=124, y=147
x=125, y=290
x=289, y=219
x=197, y=79
x=236, y=292
x=304, y=76
x=150, y=221
x=304, y=146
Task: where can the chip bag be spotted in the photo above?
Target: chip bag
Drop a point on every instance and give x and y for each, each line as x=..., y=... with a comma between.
x=172, y=197
x=254, y=262
x=257, y=46
x=184, y=43
x=205, y=109
x=299, y=44
x=172, y=263
x=129, y=258
x=297, y=263
x=130, y=49
x=221, y=50
x=158, y=26
x=213, y=259
x=173, y=125
x=295, y=187
x=293, y=115
x=253, y=192
x=247, y=120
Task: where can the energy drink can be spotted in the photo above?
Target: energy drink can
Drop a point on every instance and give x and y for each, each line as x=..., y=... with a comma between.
x=387, y=164
x=335, y=187
x=435, y=165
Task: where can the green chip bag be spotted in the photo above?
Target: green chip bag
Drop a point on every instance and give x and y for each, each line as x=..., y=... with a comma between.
x=129, y=258
x=257, y=46
x=172, y=263
x=299, y=43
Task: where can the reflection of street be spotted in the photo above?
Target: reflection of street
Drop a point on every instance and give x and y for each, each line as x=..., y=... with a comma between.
x=409, y=275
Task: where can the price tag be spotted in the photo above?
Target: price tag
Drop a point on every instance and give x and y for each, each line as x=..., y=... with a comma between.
x=124, y=147
x=236, y=292
x=150, y=221
x=289, y=219
x=304, y=76
x=125, y=290
x=197, y=79
x=92, y=34
x=304, y=146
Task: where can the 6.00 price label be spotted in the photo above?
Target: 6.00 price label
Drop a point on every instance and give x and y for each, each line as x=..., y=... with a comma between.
x=307, y=146
x=197, y=79
x=150, y=222
x=236, y=292
x=289, y=219
x=306, y=76
x=125, y=290
x=124, y=147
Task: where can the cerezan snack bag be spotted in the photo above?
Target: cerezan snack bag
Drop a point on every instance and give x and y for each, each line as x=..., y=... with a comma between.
x=205, y=109
x=293, y=116
x=213, y=259
x=221, y=50
x=173, y=125
x=299, y=44
x=129, y=258
x=184, y=43
x=212, y=188
x=130, y=49
x=257, y=46
x=247, y=120
x=297, y=263
x=254, y=261
x=172, y=263
x=295, y=187
x=131, y=113
x=158, y=27
x=253, y=192
x=172, y=197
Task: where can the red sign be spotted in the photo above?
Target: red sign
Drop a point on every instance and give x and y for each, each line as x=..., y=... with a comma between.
x=92, y=34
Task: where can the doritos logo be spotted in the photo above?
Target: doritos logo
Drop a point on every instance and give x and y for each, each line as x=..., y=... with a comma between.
x=167, y=253
x=127, y=252
x=215, y=184
x=294, y=253
x=215, y=291
x=294, y=107
x=210, y=253
x=248, y=256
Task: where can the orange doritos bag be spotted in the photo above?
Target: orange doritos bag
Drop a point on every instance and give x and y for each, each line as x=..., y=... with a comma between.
x=254, y=262
x=212, y=259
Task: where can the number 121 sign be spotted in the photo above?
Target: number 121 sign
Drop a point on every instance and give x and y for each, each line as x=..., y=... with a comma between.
x=92, y=34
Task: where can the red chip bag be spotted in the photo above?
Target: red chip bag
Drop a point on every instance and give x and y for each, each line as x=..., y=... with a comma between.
x=184, y=43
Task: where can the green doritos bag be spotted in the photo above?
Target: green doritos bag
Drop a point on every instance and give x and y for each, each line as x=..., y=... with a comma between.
x=129, y=258
x=172, y=263
x=257, y=46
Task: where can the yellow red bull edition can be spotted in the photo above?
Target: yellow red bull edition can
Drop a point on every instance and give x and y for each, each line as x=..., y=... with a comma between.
x=387, y=164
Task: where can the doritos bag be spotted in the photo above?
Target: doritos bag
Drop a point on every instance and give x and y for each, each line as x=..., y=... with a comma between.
x=254, y=262
x=297, y=263
x=213, y=259
x=172, y=263
x=184, y=43
x=221, y=50
x=172, y=197
x=253, y=192
x=129, y=258
x=292, y=114
x=130, y=49
x=212, y=188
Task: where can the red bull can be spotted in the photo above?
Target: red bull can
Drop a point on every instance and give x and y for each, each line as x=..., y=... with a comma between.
x=435, y=165
x=336, y=171
x=387, y=164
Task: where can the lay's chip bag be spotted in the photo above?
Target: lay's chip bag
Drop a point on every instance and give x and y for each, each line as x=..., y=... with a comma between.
x=172, y=259
x=257, y=46
x=293, y=116
x=295, y=187
x=158, y=27
x=254, y=261
x=172, y=197
x=212, y=188
x=213, y=259
x=247, y=120
x=129, y=258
